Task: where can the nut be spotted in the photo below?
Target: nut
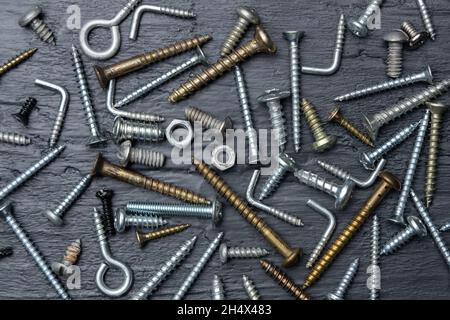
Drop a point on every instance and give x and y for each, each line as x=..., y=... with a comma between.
x=179, y=124
x=223, y=157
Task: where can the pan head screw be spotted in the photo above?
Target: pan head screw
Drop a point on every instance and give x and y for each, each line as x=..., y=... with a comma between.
x=32, y=14
x=248, y=14
x=394, y=62
x=358, y=28
x=31, y=18
x=416, y=38
x=119, y=220
x=124, y=153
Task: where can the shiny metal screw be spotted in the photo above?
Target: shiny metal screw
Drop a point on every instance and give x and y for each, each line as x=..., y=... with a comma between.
x=394, y=62
x=6, y=210
x=31, y=18
x=285, y=164
x=127, y=130
x=374, y=287
x=127, y=154
x=122, y=219
x=445, y=227
x=227, y=253
x=218, y=292
x=416, y=38
x=14, y=62
x=23, y=115
x=426, y=18
x=346, y=281
x=337, y=117
x=359, y=26
x=207, y=120
x=414, y=228
x=73, y=252
x=14, y=138
x=250, y=288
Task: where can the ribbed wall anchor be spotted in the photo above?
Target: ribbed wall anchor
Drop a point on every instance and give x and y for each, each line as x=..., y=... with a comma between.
x=346, y=281
x=250, y=288
x=414, y=228
x=374, y=287
x=218, y=291
x=127, y=154
x=127, y=130
x=359, y=26
x=31, y=19
x=14, y=138
x=426, y=18
x=14, y=62
x=123, y=220
x=285, y=164
x=227, y=253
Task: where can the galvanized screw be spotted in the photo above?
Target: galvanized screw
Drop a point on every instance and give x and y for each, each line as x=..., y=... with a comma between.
x=123, y=220
x=218, y=292
x=414, y=228
x=359, y=26
x=426, y=18
x=374, y=287
x=23, y=115
x=250, y=288
x=285, y=164
x=394, y=61
x=31, y=18
x=346, y=281
x=127, y=154
x=125, y=130
x=207, y=120
x=416, y=38
x=73, y=252
x=14, y=138
x=105, y=196
x=227, y=253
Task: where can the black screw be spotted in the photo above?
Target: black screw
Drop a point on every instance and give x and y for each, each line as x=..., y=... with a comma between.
x=105, y=195
x=6, y=252
x=24, y=114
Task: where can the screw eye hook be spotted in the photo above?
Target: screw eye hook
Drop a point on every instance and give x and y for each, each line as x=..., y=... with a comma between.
x=115, y=35
x=101, y=273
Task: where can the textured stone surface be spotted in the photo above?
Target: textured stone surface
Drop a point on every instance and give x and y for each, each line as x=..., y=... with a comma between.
x=416, y=272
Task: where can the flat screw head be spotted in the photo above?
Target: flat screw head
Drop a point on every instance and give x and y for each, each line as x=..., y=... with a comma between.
x=101, y=76
x=437, y=107
x=119, y=220
x=53, y=218
x=417, y=225
x=265, y=42
x=124, y=153
x=418, y=40
x=217, y=212
x=367, y=163
x=357, y=28
x=293, y=36
x=273, y=95
x=286, y=161
x=324, y=143
x=344, y=194
x=335, y=114
x=223, y=253
x=429, y=75
x=202, y=55
x=29, y=16
x=249, y=14
x=95, y=141
x=396, y=36
x=98, y=164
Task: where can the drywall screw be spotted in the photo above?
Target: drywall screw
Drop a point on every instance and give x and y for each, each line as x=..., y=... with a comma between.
x=416, y=38
x=17, y=60
x=213, y=211
x=6, y=252
x=195, y=272
x=27, y=174
x=261, y=43
x=426, y=18
x=56, y=216
x=105, y=196
x=31, y=18
x=119, y=69
x=368, y=159
x=23, y=115
x=388, y=181
x=434, y=232
x=414, y=228
x=70, y=258
x=424, y=76
x=397, y=216
x=445, y=227
x=285, y=164
x=342, y=193
x=291, y=255
x=250, y=288
x=33, y=251
x=247, y=17
x=283, y=280
x=253, y=156
x=86, y=100
x=374, y=285
x=122, y=219
x=272, y=99
x=323, y=141
x=394, y=62
x=207, y=120
x=359, y=26
x=104, y=168
x=127, y=130
x=437, y=111
x=374, y=124
x=218, y=292
x=127, y=154
x=227, y=253
x=165, y=270
x=346, y=281
x=326, y=235
x=14, y=138
x=293, y=37
x=144, y=237
x=344, y=175
x=338, y=117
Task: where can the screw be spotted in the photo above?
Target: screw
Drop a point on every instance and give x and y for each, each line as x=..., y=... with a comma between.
x=6, y=252
x=394, y=61
x=207, y=120
x=73, y=252
x=195, y=272
x=388, y=181
x=261, y=43
x=105, y=196
x=17, y=60
x=143, y=238
x=240, y=252
x=14, y=138
x=336, y=116
x=31, y=18
x=165, y=270
x=247, y=17
x=359, y=26
x=6, y=210
x=374, y=124
x=122, y=219
x=283, y=280
x=218, y=292
x=250, y=288
x=285, y=164
x=445, y=227
x=374, y=286
x=346, y=281
x=293, y=38
x=414, y=228
x=397, y=216
x=127, y=130
x=424, y=76
x=426, y=18
x=23, y=115
x=291, y=255
x=127, y=154
x=272, y=98
x=416, y=38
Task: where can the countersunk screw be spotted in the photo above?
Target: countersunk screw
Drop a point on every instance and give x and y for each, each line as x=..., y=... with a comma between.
x=127, y=154
x=416, y=38
x=374, y=286
x=105, y=196
x=17, y=60
x=144, y=237
x=123, y=220
x=6, y=252
x=346, y=281
x=285, y=164
x=394, y=61
x=207, y=120
x=31, y=18
x=250, y=288
x=336, y=116
x=359, y=26
x=14, y=138
x=127, y=130
x=73, y=252
x=227, y=253
x=23, y=115
x=414, y=228
x=323, y=141
x=218, y=292
x=445, y=227
x=426, y=18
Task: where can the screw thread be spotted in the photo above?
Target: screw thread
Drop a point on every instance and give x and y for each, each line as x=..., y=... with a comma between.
x=394, y=62
x=6, y=252
x=250, y=288
x=236, y=34
x=176, y=12
x=317, y=182
x=246, y=252
x=346, y=281
x=218, y=291
x=351, y=128
x=171, y=209
x=374, y=258
x=43, y=31
x=160, y=233
x=127, y=130
x=25, y=111
x=426, y=18
x=14, y=138
x=149, y=158
x=398, y=241
x=207, y=120
x=144, y=221
x=409, y=29
x=272, y=184
x=17, y=60
x=105, y=196
x=313, y=120
x=102, y=236
x=278, y=122
x=334, y=170
x=73, y=252
x=445, y=227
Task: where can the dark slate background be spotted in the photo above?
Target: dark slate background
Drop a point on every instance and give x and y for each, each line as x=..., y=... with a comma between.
x=416, y=272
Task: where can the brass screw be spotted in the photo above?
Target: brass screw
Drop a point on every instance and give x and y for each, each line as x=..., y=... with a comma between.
x=336, y=116
x=388, y=182
x=261, y=43
x=104, y=168
x=291, y=255
x=323, y=141
x=16, y=60
x=283, y=280
x=437, y=111
x=121, y=68
x=143, y=238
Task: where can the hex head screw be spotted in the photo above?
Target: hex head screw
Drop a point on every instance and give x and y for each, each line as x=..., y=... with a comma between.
x=31, y=18
x=122, y=219
x=346, y=281
x=414, y=228
x=359, y=26
x=207, y=120
x=250, y=288
x=217, y=290
x=149, y=158
x=285, y=164
x=227, y=253
x=394, y=61
x=71, y=257
x=14, y=62
x=144, y=237
x=23, y=115
x=426, y=18
x=416, y=38
x=337, y=117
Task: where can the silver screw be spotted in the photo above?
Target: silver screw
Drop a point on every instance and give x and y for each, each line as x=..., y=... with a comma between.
x=85, y=95
x=126, y=130
x=416, y=38
x=14, y=138
x=122, y=220
x=359, y=26
x=227, y=253
x=374, y=259
x=378, y=120
x=56, y=216
x=31, y=248
x=207, y=120
x=127, y=154
x=346, y=281
x=414, y=228
x=31, y=18
x=445, y=227
x=394, y=61
x=165, y=270
x=397, y=216
x=424, y=76
x=247, y=17
x=285, y=164
x=426, y=18
x=250, y=288
x=195, y=272
x=218, y=292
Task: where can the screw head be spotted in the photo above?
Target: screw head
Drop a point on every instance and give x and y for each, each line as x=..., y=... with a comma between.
x=335, y=114
x=101, y=76
x=429, y=75
x=248, y=14
x=118, y=123
x=103, y=194
x=59, y=268
x=418, y=40
x=140, y=238
x=22, y=119
x=223, y=253
x=29, y=16
x=332, y=296
x=324, y=143
x=366, y=161
x=293, y=257
x=417, y=225
x=358, y=29
x=396, y=36
x=344, y=194
x=293, y=36
x=371, y=129
x=265, y=42
x=95, y=141
x=201, y=54
x=286, y=161
x=124, y=153
x=217, y=212
x=273, y=95
x=390, y=179
x=437, y=107
x=98, y=164
x=53, y=218
x=119, y=219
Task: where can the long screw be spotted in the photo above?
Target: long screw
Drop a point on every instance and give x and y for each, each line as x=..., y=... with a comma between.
x=227, y=253
x=388, y=181
x=398, y=215
x=250, y=288
x=426, y=18
x=218, y=291
x=127, y=130
x=323, y=141
x=345, y=283
x=122, y=219
x=338, y=117
x=70, y=258
x=394, y=61
x=359, y=26
x=105, y=196
x=445, y=227
x=6, y=252
x=31, y=18
x=6, y=210
x=14, y=138
x=14, y=62
x=207, y=120
x=149, y=158
x=374, y=286
x=291, y=255
x=414, y=228
x=24, y=113
x=416, y=38
x=143, y=237
x=285, y=164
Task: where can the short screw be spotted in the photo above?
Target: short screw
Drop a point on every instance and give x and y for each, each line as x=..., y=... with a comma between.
x=227, y=252
x=149, y=158
x=143, y=237
x=31, y=18
x=105, y=196
x=127, y=130
x=426, y=18
x=445, y=227
x=337, y=116
x=6, y=252
x=23, y=115
x=207, y=120
x=285, y=164
x=123, y=220
x=14, y=138
x=394, y=61
x=250, y=288
x=17, y=60
x=416, y=38
x=414, y=228
x=218, y=291
x=346, y=281
x=359, y=26
x=374, y=287
x=73, y=252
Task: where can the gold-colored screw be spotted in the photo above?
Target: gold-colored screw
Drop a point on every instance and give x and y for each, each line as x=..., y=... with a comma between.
x=337, y=116
x=121, y=68
x=104, y=168
x=283, y=280
x=388, y=181
x=261, y=43
x=323, y=141
x=143, y=238
x=437, y=111
x=291, y=255
x=17, y=60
